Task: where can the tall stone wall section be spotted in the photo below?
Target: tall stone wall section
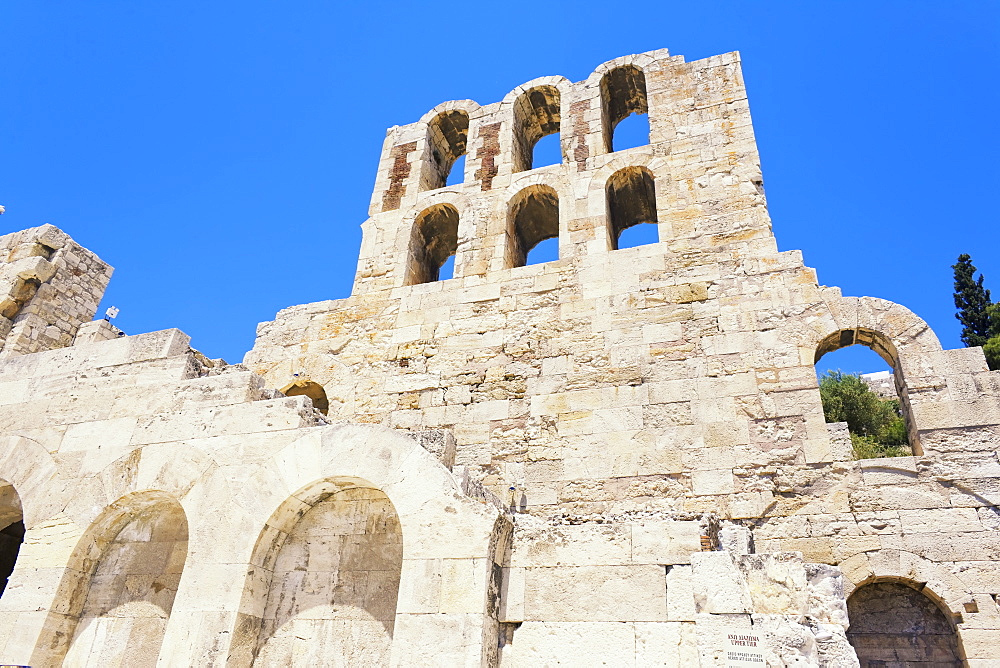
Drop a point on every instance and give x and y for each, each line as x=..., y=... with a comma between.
x=616, y=457
x=49, y=286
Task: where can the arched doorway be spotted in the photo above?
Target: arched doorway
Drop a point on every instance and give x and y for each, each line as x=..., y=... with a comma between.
x=119, y=586
x=893, y=624
x=333, y=577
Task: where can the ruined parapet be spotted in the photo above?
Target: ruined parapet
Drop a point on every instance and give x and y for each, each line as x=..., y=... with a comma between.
x=49, y=286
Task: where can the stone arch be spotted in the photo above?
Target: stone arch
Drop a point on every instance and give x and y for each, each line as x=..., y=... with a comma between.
x=907, y=333
x=623, y=93
x=630, y=194
x=933, y=580
x=330, y=560
x=893, y=622
x=438, y=521
x=447, y=140
x=532, y=217
x=643, y=61
x=118, y=589
x=11, y=531
x=310, y=389
x=537, y=112
x=28, y=466
x=434, y=239
x=894, y=332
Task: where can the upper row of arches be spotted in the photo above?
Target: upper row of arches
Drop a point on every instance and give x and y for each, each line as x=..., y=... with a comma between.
x=537, y=124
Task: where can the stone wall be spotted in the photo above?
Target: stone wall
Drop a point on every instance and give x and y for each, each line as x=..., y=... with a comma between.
x=617, y=456
x=49, y=286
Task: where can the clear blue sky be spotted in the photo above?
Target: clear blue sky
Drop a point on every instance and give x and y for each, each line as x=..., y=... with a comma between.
x=221, y=154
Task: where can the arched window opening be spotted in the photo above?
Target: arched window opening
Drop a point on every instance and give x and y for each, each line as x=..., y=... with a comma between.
x=311, y=389
x=544, y=251
x=547, y=151
x=623, y=93
x=893, y=624
x=121, y=585
x=631, y=197
x=447, y=139
x=631, y=132
x=457, y=174
x=536, y=115
x=334, y=582
x=447, y=269
x=860, y=385
x=11, y=533
x=434, y=240
x=533, y=217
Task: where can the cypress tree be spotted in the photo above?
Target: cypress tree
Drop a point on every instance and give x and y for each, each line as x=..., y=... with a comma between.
x=972, y=301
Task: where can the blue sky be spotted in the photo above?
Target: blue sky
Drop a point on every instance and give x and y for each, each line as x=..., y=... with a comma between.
x=221, y=154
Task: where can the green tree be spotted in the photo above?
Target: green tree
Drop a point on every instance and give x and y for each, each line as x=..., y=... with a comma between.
x=972, y=301
x=992, y=345
x=876, y=425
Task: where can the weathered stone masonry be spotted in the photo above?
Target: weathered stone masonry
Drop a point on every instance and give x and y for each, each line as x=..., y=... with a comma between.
x=619, y=456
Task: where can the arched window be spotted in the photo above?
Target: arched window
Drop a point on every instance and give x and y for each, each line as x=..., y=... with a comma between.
x=893, y=624
x=532, y=217
x=447, y=139
x=631, y=197
x=536, y=115
x=856, y=388
x=333, y=586
x=434, y=240
x=311, y=389
x=11, y=531
x=623, y=93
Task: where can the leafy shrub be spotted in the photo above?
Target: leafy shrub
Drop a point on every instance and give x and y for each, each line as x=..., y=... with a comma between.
x=876, y=424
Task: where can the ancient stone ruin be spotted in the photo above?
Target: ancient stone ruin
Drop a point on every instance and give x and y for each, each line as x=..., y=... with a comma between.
x=618, y=457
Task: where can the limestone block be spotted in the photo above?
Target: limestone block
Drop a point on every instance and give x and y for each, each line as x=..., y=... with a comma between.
x=719, y=588
x=579, y=545
x=659, y=644
x=735, y=539
x=680, y=594
x=432, y=639
x=271, y=415
x=665, y=542
x=96, y=331
x=718, y=481
x=936, y=520
x=826, y=601
x=462, y=585
x=980, y=645
x=13, y=392
x=888, y=470
x=573, y=644
x=595, y=593
x=167, y=343
x=419, y=586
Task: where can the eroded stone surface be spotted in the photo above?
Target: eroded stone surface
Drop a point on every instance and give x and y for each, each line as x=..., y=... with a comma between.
x=619, y=456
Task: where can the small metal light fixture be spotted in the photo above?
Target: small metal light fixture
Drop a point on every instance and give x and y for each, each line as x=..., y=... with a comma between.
x=111, y=313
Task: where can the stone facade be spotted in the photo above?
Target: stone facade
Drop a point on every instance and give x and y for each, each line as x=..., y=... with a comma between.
x=615, y=458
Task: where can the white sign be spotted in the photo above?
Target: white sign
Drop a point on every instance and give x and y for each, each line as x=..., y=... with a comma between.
x=743, y=650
